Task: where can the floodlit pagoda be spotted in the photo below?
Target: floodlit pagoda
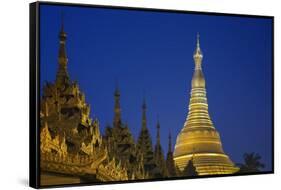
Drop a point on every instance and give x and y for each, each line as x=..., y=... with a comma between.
x=71, y=148
x=121, y=145
x=198, y=138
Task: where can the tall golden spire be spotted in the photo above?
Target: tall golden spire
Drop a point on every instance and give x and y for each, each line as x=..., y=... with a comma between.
x=62, y=52
x=198, y=80
x=62, y=74
x=198, y=106
x=198, y=138
x=198, y=56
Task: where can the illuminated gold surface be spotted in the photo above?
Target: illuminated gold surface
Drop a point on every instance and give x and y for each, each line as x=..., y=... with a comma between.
x=198, y=138
x=71, y=146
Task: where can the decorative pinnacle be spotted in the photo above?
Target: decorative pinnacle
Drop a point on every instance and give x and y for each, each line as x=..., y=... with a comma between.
x=198, y=53
x=62, y=74
x=170, y=142
x=62, y=34
x=158, y=130
x=198, y=56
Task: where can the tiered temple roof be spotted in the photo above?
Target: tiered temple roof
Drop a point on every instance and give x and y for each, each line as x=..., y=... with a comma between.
x=121, y=144
x=71, y=143
x=144, y=148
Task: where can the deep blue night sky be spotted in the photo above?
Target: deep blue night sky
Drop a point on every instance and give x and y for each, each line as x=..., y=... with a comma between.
x=150, y=54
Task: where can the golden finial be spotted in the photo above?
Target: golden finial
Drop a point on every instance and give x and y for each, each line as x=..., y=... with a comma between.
x=198, y=50
x=198, y=54
x=198, y=40
x=62, y=34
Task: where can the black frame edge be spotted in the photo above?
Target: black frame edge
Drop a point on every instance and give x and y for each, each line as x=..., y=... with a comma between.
x=273, y=97
x=34, y=177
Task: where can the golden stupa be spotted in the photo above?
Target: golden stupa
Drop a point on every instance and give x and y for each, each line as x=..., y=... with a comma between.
x=198, y=139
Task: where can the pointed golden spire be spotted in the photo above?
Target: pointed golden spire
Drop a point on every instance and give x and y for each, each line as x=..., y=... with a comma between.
x=62, y=74
x=198, y=56
x=198, y=50
x=198, y=76
x=62, y=52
